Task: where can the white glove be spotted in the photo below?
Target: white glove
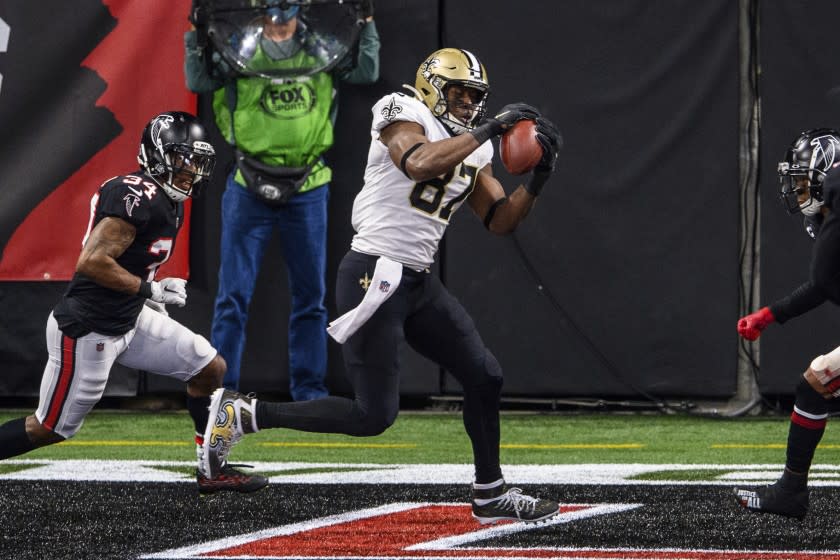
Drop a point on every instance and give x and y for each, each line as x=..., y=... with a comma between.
x=155, y=306
x=170, y=290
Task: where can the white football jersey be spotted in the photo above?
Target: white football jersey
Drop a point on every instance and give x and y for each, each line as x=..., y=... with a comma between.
x=396, y=217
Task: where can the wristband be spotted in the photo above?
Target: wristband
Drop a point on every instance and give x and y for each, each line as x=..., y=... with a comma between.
x=145, y=290
x=484, y=133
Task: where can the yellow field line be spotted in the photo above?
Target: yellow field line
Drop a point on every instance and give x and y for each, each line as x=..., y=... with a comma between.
x=765, y=446
x=341, y=445
x=572, y=446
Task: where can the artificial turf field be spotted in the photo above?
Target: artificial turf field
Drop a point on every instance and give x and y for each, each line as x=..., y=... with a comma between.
x=631, y=486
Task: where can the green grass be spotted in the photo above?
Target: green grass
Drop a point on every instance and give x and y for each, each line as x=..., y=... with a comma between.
x=440, y=438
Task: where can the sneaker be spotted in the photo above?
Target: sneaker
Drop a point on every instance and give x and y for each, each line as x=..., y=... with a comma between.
x=231, y=416
x=231, y=480
x=502, y=504
x=774, y=499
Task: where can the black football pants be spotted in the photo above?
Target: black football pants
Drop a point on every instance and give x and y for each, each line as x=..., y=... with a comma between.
x=423, y=313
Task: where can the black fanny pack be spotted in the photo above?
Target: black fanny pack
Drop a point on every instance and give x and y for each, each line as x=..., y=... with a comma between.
x=273, y=185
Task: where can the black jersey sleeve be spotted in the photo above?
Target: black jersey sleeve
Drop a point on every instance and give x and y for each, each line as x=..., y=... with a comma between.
x=825, y=262
x=125, y=197
x=803, y=299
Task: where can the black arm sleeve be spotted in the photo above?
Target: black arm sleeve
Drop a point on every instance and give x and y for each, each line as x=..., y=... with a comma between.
x=803, y=299
x=825, y=261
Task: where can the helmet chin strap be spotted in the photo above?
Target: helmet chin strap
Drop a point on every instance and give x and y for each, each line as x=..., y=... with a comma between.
x=169, y=188
x=453, y=123
x=811, y=207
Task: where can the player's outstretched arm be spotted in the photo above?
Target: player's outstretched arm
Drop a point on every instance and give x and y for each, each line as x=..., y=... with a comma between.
x=421, y=159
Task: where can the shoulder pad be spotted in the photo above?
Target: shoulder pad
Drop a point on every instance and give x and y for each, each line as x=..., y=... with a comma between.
x=398, y=107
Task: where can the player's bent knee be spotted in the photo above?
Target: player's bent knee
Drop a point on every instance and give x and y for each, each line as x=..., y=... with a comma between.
x=373, y=428
x=812, y=380
x=810, y=392
x=209, y=378
x=374, y=424
x=40, y=435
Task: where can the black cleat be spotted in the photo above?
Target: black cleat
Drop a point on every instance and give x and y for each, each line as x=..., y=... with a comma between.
x=230, y=480
x=510, y=504
x=774, y=499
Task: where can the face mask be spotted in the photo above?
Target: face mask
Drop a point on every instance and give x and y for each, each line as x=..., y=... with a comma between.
x=811, y=207
x=279, y=50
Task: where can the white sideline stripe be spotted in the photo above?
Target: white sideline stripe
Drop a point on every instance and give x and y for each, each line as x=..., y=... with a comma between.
x=369, y=473
x=194, y=551
x=591, y=510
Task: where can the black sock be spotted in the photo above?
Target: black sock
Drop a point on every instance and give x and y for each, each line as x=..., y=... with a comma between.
x=197, y=407
x=802, y=442
x=793, y=481
x=330, y=415
x=13, y=439
x=807, y=425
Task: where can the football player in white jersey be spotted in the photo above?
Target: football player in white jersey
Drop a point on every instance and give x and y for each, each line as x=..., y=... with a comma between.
x=430, y=151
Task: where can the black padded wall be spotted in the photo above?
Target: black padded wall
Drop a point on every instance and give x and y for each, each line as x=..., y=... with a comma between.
x=800, y=89
x=636, y=235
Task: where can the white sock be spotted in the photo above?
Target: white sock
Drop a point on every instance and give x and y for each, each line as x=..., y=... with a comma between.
x=488, y=485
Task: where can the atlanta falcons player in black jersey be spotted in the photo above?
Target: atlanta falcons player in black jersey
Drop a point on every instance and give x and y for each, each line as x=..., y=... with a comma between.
x=810, y=185
x=114, y=309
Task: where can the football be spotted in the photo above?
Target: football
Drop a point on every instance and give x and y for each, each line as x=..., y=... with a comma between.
x=519, y=148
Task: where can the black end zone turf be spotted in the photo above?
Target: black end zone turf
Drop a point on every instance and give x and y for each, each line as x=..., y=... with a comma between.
x=41, y=520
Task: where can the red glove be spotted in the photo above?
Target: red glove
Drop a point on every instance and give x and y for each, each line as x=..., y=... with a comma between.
x=750, y=327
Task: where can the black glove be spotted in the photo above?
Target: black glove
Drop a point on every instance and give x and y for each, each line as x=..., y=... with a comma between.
x=199, y=15
x=549, y=138
x=365, y=9
x=491, y=127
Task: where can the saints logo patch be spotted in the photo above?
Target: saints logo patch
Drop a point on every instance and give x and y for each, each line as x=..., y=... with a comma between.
x=391, y=110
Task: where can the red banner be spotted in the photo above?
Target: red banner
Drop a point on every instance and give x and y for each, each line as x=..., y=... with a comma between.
x=141, y=62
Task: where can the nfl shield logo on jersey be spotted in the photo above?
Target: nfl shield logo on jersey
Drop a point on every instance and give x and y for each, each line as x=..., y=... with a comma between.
x=100, y=346
x=384, y=286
